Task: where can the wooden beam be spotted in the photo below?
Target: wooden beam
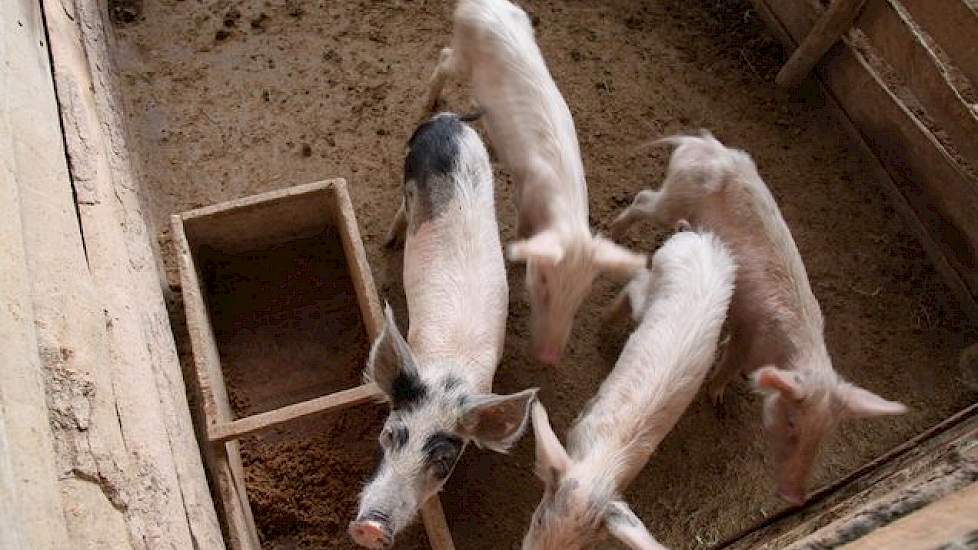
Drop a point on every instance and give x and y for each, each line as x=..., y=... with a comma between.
x=953, y=24
x=340, y=400
x=31, y=160
x=827, y=30
x=940, y=524
x=223, y=460
x=435, y=525
x=935, y=450
x=940, y=198
x=892, y=35
x=356, y=261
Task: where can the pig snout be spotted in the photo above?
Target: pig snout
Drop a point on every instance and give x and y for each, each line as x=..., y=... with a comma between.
x=792, y=494
x=372, y=530
x=548, y=339
x=548, y=354
x=791, y=485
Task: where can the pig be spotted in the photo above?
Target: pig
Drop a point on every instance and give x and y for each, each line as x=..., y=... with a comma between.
x=680, y=305
x=438, y=381
x=532, y=132
x=776, y=325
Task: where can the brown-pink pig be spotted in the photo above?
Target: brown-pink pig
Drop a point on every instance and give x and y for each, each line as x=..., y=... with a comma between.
x=776, y=324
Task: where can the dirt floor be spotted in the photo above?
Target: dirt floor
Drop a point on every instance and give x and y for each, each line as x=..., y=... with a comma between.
x=227, y=99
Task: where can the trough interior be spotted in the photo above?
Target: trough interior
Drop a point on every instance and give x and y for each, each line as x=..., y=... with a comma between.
x=230, y=98
x=286, y=322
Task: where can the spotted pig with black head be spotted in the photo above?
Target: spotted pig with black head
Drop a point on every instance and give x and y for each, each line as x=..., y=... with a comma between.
x=438, y=380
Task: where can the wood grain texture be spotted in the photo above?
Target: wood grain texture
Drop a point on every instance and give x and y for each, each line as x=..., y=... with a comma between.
x=891, y=33
x=325, y=404
x=942, y=198
x=827, y=30
x=954, y=26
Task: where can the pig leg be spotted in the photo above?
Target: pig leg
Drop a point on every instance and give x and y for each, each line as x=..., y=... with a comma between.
x=619, y=308
x=632, y=299
x=395, y=234
x=643, y=207
x=534, y=189
x=447, y=65
x=730, y=366
x=523, y=224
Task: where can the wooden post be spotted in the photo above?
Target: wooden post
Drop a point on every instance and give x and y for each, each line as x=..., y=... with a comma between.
x=439, y=537
x=827, y=30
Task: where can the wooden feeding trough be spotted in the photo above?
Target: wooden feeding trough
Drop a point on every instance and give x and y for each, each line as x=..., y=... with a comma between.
x=244, y=261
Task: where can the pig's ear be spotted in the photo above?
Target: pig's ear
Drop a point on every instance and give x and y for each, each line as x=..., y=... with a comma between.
x=772, y=379
x=392, y=366
x=545, y=247
x=496, y=421
x=616, y=259
x=625, y=526
x=552, y=459
x=860, y=403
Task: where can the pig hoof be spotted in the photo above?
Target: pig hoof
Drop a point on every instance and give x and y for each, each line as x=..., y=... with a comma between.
x=392, y=242
x=716, y=395
x=369, y=534
x=616, y=231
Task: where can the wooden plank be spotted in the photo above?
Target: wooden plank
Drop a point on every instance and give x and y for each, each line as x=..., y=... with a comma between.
x=946, y=521
x=140, y=415
x=356, y=258
x=210, y=377
x=435, y=525
x=31, y=515
x=954, y=26
x=944, y=200
x=827, y=30
x=222, y=459
x=262, y=220
x=891, y=33
x=261, y=199
x=936, y=450
x=328, y=403
x=927, y=239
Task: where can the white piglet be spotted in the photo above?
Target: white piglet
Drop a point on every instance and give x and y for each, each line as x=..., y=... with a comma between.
x=533, y=133
x=680, y=305
x=775, y=321
x=439, y=380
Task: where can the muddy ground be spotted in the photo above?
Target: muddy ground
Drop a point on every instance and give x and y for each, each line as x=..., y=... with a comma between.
x=227, y=99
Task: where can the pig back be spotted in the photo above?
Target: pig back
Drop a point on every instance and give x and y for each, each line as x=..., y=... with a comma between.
x=454, y=273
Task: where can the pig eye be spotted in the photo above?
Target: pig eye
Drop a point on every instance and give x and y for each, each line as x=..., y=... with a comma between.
x=442, y=466
x=442, y=451
x=386, y=438
x=394, y=437
x=790, y=420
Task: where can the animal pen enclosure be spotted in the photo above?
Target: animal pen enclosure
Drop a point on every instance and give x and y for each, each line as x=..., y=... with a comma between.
x=118, y=115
